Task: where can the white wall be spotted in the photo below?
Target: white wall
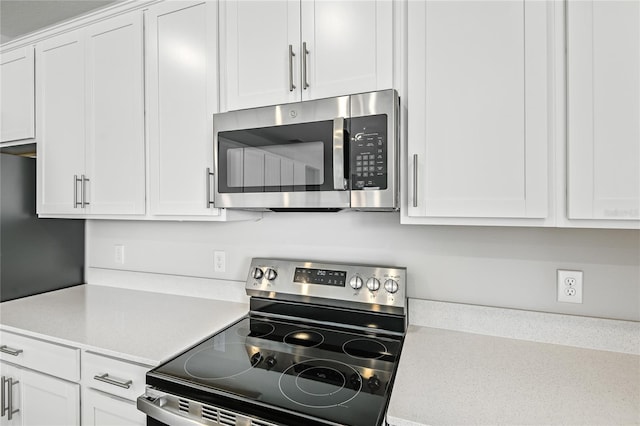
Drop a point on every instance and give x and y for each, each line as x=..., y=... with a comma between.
x=504, y=267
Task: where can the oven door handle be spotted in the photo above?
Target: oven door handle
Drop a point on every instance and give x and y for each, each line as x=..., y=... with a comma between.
x=339, y=182
x=153, y=409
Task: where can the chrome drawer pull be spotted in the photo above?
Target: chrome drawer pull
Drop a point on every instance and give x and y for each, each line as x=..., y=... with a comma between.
x=7, y=350
x=105, y=378
x=11, y=411
x=3, y=409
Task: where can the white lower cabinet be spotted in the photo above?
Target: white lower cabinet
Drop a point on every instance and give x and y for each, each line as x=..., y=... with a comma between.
x=102, y=409
x=31, y=398
x=110, y=387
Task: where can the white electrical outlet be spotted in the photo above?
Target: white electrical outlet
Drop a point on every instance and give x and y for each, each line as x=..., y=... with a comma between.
x=119, y=254
x=219, y=261
x=569, y=286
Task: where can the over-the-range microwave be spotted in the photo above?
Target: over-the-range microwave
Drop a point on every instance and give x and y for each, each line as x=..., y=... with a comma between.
x=326, y=154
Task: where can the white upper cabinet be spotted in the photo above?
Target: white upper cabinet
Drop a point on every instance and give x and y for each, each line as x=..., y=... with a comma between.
x=115, y=115
x=91, y=120
x=283, y=51
x=17, y=96
x=259, y=53
x=181, y=47
x=478, y=140
x=349, y=47
x=603, y=111
x=60, y=82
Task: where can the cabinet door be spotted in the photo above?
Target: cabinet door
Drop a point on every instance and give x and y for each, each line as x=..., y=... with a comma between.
x=101, y=409
x=41, y=399
x=17, y=105
x=349, y=47
x=603, y=110
x=182, y=97
x=477, y=110
x=256, y=38
x=115, y=116
x=60, y=91
x=10, y=377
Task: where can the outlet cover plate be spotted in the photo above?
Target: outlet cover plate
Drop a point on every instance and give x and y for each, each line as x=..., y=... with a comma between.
x=569, y=286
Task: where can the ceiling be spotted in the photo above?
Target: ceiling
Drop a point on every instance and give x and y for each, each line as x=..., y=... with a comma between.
x=20, y=17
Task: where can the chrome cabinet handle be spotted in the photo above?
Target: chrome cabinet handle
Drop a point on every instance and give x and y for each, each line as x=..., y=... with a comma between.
x=76, y=203
x=305, y=52
x=112, y=381
x=3, y=409
x=291, y=56
x=85, y=179
x=209, y=176
x=415, y=180
x=338, y=154
x=10, y=410
x=7, y=350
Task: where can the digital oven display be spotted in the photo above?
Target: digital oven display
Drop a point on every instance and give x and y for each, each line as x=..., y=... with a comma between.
x=320, y=276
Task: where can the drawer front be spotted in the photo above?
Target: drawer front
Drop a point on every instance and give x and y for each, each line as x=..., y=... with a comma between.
x=114, y=376
x=50, y=358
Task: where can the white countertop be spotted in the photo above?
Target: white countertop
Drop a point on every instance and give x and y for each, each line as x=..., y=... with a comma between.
x=138, y=326
x=448, y=377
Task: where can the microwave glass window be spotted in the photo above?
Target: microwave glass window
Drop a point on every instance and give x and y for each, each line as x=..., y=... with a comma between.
x=276, y=165
x=287, y=158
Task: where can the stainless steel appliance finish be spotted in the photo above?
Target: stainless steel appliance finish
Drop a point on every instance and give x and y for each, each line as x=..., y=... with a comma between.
x=320, y=346
x=326, y=154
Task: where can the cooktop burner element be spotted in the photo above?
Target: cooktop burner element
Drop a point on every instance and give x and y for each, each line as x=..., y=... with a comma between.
x=319, y=383
x=311, y=351
x=364, y=348
x=306, y=338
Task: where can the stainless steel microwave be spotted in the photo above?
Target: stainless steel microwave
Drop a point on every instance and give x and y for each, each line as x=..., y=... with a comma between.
x=326, y=154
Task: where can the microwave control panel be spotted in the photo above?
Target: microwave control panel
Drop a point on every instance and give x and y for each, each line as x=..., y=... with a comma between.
x=368, y=152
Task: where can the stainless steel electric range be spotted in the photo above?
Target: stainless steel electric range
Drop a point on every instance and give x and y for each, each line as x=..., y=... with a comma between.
x=320, y=346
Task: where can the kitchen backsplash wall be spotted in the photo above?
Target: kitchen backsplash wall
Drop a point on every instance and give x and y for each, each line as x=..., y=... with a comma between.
x=503, y=267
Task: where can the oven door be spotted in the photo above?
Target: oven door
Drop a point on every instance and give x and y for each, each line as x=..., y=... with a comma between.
x=283, y=157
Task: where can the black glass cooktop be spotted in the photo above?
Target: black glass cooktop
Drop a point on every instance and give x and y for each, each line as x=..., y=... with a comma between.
x=327, y=375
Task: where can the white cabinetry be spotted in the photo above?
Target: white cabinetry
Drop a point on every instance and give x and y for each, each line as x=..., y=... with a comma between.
x=603, y=111
x=91, y=120
x=17, y=96
x=181, y=49
x=109, y=391
x=32, y=397
x=478, y=140
x=285, y=51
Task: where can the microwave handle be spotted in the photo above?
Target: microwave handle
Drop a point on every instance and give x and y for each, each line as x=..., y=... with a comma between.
x=339, y=183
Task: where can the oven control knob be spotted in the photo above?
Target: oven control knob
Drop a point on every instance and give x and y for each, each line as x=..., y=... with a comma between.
x=255, y=359
x=271, y=362
x=356, y=282
x=373, y=284
x=391, y=286
x=356, y=381
x=271, y=274
x=257, y=273
x=373, y=383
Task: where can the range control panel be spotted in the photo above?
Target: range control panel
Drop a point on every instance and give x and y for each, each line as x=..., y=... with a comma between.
x=306, y=280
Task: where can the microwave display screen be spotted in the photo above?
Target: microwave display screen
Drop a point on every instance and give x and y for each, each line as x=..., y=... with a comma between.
x=320, y=276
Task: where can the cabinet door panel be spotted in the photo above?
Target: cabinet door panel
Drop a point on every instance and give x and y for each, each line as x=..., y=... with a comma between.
x=182, y=96
x=254, y=45
x=60, y=89
x=17, y=96
x=350, y=47
x=603, y=110
x=115, y=116
x=478, y=109
x=100, y=409
x=48, y=401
